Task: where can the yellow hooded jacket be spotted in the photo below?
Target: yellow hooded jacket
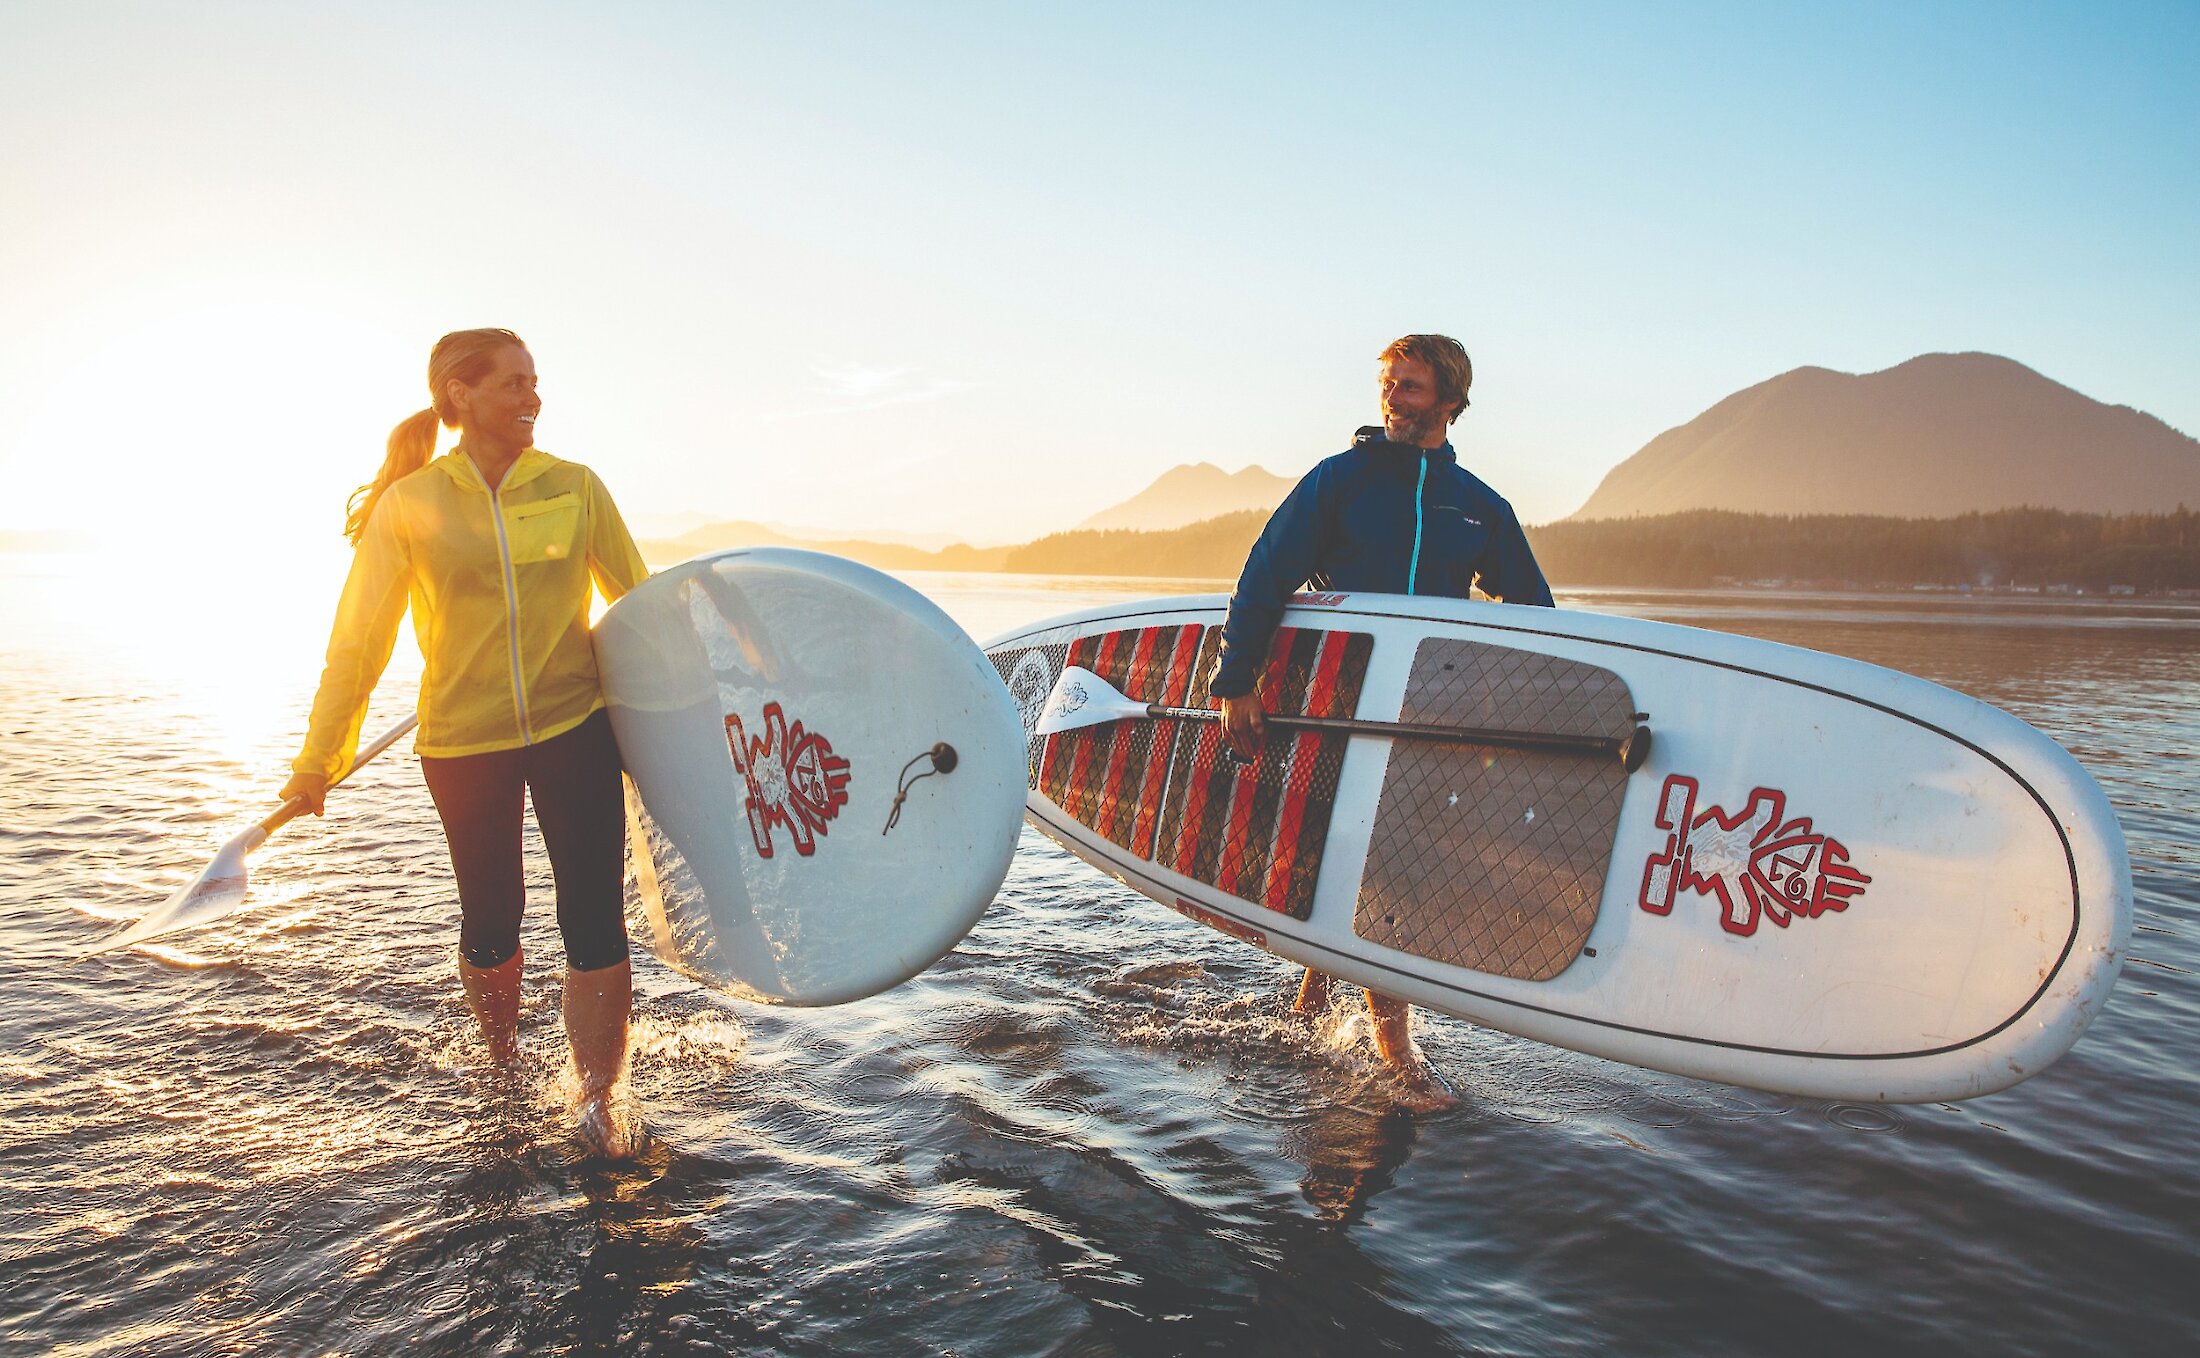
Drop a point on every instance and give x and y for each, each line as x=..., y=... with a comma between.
x=498, y=584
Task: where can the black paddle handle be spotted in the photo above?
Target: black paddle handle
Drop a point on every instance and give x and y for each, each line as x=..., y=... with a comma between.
x=1631, y=749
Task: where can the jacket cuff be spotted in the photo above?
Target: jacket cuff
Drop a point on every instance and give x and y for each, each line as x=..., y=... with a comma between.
x=1228, y=685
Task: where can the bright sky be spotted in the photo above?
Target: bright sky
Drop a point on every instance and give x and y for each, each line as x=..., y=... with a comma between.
x=985, y=268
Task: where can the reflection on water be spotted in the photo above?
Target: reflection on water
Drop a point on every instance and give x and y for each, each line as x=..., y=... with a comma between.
x=1089, y=1130
x=1350, y=1154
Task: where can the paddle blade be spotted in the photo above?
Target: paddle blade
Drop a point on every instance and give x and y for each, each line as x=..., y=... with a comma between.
x=216, y=892
x=1082, y=698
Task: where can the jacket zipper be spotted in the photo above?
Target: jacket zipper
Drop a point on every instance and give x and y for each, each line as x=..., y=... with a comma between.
x=1420, y=479
x=511, y=611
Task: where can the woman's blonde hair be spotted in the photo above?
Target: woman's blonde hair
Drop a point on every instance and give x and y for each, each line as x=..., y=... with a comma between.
x=466, y=355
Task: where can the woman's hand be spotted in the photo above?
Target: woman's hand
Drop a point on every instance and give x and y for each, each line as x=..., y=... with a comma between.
x=311, y=786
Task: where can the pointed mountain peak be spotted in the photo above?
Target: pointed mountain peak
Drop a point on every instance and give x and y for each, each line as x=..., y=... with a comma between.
x=1191, y=492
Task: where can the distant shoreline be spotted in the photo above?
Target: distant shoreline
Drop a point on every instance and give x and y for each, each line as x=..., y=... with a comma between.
x=2004, y=553
x=46, y=540
x=1812, y=590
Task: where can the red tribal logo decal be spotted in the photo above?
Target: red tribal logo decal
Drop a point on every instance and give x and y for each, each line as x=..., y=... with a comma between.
x=1756, y=864
x=795, y=780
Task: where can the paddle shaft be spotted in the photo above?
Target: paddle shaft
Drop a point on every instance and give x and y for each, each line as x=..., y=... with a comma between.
x=1473, y=735
x=295, y=807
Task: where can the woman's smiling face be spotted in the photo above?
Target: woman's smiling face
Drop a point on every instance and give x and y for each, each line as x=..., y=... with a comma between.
x=500, y=409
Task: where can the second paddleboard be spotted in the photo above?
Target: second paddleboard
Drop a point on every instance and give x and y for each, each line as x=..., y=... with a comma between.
x=826, y=776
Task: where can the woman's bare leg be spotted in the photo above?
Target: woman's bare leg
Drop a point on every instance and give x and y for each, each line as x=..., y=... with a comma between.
x=493, y=994
x=597, y=1006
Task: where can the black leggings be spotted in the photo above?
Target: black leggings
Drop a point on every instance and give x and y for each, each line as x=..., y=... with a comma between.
x=581, y=811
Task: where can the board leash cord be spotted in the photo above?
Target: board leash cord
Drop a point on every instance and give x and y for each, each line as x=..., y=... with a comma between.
x=943, y=759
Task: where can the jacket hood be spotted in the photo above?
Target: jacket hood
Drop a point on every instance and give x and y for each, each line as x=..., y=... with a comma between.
x=1372, y=438
x=531, y=463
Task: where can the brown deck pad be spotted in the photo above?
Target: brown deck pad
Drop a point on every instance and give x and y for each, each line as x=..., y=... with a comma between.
x=1488, y=858
x=1166, y=792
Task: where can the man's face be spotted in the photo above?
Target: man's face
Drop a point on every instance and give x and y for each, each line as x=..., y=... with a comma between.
x=1412, y=411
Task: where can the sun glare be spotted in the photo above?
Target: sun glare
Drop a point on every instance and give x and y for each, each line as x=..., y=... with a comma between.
x=230, y=430
x=208, y=447
x=232, y=654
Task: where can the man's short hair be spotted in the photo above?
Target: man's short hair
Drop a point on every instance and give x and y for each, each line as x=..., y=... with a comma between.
x=1446, y=357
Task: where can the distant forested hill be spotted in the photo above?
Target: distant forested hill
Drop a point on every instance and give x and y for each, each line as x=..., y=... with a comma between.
x=1210, y=549
x=1700, y=548
x=1707, y=547
x=886, y=556
x=2009, y=546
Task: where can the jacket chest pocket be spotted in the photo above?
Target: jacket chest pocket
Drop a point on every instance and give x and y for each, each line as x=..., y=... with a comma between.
x=543, y=530
x=1452, y=542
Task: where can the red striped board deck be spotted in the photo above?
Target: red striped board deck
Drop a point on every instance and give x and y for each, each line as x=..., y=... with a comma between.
x=1167, y=793
x=1828, y=878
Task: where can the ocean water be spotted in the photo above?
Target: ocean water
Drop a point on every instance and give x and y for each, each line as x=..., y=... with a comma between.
x=1087, y=1131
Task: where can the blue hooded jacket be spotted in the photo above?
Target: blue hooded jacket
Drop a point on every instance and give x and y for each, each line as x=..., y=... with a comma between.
x=1384, y=518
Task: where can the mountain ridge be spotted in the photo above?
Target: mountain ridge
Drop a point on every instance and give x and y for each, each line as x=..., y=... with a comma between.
x=1934, y=436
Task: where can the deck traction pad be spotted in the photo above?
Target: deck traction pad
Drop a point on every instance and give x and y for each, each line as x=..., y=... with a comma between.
x=1487, y=858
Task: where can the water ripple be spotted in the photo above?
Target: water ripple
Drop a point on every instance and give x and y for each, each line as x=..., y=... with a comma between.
x=1090, y=1130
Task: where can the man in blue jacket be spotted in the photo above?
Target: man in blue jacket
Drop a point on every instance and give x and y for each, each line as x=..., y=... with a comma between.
x=1393, y=514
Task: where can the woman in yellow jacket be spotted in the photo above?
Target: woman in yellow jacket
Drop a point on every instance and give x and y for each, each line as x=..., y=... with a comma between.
x=494, y=546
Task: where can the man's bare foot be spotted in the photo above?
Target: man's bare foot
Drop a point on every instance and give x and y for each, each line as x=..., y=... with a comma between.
x=1392, y=1018
x=1424, y=1090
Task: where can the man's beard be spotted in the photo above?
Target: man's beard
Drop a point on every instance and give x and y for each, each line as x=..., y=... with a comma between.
x=1424, y=430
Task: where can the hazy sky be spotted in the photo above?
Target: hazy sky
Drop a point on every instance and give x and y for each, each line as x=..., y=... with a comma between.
x=986, y=268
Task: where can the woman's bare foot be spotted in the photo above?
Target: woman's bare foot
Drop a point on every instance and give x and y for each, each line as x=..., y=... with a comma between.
x=602, y=1125
x=597, y=1006
x=493, y=993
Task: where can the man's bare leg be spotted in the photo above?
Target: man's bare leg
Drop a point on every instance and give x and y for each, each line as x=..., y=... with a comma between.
x=1313, y=994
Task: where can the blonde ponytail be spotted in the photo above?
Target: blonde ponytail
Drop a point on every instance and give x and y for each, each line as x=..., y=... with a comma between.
x=462, y=355
x=412, y=443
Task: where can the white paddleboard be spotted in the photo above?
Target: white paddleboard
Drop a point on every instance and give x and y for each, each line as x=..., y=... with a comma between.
x=825, y=777
x=1828, y=878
